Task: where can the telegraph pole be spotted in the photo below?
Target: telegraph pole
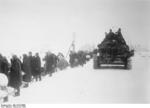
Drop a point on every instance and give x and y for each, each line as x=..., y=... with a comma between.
x=72, y=46
x=73, y=42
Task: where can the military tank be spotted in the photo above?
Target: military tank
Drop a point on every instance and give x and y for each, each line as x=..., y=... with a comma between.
x=113, y=50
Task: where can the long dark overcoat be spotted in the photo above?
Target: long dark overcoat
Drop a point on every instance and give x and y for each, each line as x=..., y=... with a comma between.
x=15, y=75
x=26, y=67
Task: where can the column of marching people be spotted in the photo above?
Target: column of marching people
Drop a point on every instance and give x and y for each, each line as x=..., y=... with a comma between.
x=21, y=71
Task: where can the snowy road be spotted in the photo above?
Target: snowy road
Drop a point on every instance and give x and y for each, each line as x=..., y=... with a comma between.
x=85, y=85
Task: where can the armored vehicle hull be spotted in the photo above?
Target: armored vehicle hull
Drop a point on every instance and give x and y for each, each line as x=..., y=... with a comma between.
x=113, y=51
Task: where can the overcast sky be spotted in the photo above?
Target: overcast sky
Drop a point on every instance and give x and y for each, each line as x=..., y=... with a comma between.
x=39, y=25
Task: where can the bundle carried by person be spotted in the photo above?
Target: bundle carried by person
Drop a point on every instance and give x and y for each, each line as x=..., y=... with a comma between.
x=5, y=91
x=62, y=62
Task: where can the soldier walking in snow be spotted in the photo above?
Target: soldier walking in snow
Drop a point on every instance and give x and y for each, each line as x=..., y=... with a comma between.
x=31, y=69
x=26, y=69
x=15, y=80
x=4, y=65
x=37, y=67
x=50, y=63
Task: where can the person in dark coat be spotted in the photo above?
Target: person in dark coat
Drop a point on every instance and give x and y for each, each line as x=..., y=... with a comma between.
x=33, y=66
x=26, y=69
x=1, y=59
x=31, y=69
x=37, y=67
x=55, y=61
x=15, y=80
x=4, y=66
x=81, y=57
x=73, y=59
x=50, y=63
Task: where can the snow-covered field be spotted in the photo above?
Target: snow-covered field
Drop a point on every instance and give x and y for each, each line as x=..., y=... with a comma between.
x=86, y=85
